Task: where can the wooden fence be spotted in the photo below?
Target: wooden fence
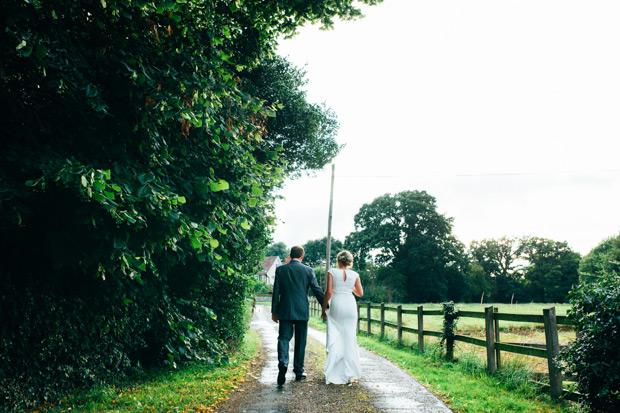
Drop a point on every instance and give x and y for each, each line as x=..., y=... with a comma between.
x=492, y=343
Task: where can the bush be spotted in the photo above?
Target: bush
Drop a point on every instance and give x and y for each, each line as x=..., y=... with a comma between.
x=62, y=334
x=137, y=180
x=135, y=191
x=594, y=357
x=261, y=287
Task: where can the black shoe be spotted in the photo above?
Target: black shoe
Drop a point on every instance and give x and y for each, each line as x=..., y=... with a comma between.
x=281, y=377
x=301, y=377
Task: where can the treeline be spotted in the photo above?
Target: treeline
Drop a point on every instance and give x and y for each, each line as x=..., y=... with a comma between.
x=142, y=145
x=405, y=252
x=504, y=270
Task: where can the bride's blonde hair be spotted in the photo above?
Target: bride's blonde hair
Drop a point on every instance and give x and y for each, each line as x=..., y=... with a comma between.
x=345, y=258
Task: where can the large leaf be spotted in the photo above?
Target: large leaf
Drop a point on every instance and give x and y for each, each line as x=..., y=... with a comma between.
x=245, y=225
x=257, y=190
x=220, y=185
x=195, y=243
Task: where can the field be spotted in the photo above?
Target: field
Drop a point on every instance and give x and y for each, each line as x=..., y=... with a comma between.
x=465, y=385
x=510, y=332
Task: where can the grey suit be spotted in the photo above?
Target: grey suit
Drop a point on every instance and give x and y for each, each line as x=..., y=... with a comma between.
x=290, y=303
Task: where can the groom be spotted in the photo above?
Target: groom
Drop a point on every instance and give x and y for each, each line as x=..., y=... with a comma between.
x=289, y=306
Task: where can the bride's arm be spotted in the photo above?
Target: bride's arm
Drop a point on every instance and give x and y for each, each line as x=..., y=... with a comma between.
x=328, y=293
x=357, y=289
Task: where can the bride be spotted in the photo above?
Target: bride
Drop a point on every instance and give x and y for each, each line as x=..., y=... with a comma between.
x=343, y=360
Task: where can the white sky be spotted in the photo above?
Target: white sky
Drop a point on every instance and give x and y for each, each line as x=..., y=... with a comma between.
x=507, y=112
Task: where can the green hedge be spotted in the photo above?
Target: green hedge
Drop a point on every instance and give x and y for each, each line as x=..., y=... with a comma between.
x=137, y=179
x=594, y=356
x=135, y=193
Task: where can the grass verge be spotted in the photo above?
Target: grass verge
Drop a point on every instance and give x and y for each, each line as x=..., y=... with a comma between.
x=191, y=388
x=465, y=385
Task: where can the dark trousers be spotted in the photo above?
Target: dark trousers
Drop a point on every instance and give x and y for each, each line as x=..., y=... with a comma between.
x=285, y=333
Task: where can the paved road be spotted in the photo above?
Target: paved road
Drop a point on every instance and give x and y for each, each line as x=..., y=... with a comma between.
x=386, y=387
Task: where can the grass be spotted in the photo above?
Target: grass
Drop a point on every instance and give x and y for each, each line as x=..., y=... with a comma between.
x=465, y=385
x=510, y=332
x=475, y=326
x=196, y=387
x=192, y=388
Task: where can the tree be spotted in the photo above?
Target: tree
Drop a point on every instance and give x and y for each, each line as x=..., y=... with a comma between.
x=499, y=259
x=316, y=251
x=405, y=232
x=305, y=132
x=523, y=269
x=136, y=166
x=392, y=282
x=278, y=249
x=497, y=256
x=603, y=259
x=552, y=270
x=479, y=284
x=382, y=284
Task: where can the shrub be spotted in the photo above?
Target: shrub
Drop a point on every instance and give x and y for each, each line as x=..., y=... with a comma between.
x=594, y=357
x=137, y=179
x=448, y=333
x=261, y=287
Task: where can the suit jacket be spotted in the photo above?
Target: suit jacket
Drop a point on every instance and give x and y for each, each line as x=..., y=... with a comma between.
x=290, y=291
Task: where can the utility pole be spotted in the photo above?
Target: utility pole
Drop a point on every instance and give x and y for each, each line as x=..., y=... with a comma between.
x=329, y=222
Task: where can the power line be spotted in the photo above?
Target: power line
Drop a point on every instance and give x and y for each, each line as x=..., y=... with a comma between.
x=473, y=175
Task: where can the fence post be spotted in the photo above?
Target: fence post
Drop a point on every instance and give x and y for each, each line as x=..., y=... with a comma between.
x=489, y=326
x=382, y=319
x=399, y=323
x=553, y=349
x=421, y=329
x=498, y=354
x=358, y=317
x=368, y=327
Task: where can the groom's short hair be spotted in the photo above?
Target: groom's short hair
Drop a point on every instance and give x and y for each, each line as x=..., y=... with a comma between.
x=297, y=252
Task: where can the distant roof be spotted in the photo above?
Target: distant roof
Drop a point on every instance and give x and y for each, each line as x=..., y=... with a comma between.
x=268, y=263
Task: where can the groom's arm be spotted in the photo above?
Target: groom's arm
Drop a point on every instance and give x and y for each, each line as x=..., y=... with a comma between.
x=275, y=297
x=314, y=286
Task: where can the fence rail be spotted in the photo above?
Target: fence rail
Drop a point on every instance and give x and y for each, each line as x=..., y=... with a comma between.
x=494, y=346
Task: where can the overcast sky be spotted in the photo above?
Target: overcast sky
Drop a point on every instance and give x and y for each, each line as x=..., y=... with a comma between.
x=507, y=112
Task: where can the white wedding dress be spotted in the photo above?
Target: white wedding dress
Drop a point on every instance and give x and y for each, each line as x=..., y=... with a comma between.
x=343, y=360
